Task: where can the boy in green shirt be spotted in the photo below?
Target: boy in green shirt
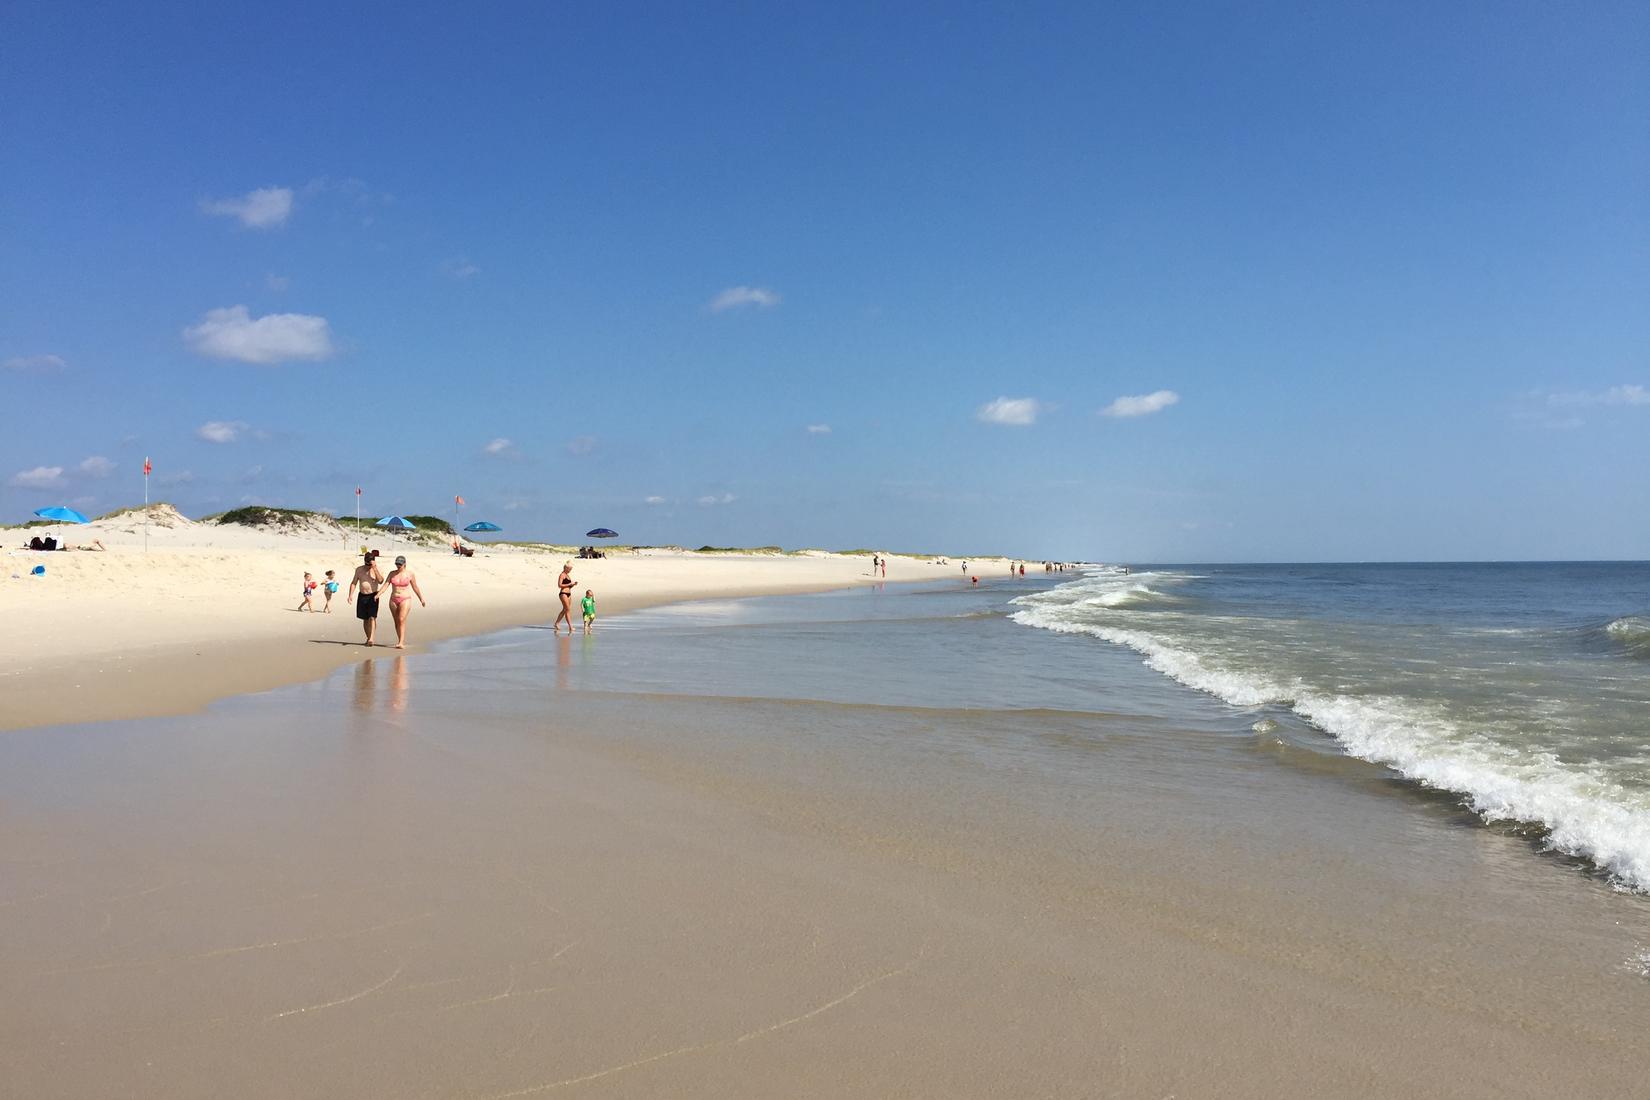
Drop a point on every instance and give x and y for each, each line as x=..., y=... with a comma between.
x=589, y=603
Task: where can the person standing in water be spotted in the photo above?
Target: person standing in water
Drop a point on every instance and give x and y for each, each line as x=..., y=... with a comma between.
x=564, y=586
x=400, y=581
x=589, y=605
x=369, y=580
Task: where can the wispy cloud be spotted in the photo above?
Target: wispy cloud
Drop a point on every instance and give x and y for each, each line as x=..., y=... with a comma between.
x=179, y=477
x=819, y=429
x=277, y=283
x=233, y=333
x=500, y=448
x=1016, y=411
x=725, y=498
x=1142, y=405
x=459, y=267
x=34, y=364
x=96, y=466
x=1615, y=395
x=264, y=208
x=654, y=500
x=582, y=445
x=738, y=297
x=222, y=431
x=41, y=477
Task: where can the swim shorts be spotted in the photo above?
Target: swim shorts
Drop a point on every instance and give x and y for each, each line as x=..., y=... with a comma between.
x=366, y=605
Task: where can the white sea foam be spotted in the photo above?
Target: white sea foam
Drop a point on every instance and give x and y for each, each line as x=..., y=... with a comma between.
x=1631, y=631
x=1585, y=811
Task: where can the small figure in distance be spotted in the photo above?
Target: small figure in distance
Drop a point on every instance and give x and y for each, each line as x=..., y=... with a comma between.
x=309, y=594
x=368, y=579
x=400, y=580
x=564, y=592
x=589, y=605
x=331, y=590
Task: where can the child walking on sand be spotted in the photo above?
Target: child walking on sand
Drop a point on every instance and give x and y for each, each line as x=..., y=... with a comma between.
x=589, y=603
x=331, y=589
x=309, y=594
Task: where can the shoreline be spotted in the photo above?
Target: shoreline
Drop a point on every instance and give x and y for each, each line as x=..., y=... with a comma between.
x=174, y=678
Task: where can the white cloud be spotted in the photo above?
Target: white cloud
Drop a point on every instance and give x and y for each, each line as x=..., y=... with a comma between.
x=499, y=448
x=221, y=431
x=181, y=477
x=654, y=500
x=97, y=466
x=41, y=477
x=736, y=297
x=819, y=429
x=581, y=445
x=1143, y=405
x=725, y=498
x=276, y=282
x=1615, y=395
x=233, y=333
x=1017, y=411
x=265, y=208
x=34, y=364
x=460, y=268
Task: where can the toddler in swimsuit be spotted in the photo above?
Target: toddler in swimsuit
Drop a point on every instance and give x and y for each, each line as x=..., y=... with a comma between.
x=589, y=605
x=331, y=589
x=309, y=594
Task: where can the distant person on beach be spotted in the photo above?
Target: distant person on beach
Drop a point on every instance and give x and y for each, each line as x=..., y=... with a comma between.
x=309, y=594
x=564, y=591
x=883, y=563
x=589, y=605
x=331, y=589
x=400, y=580
x=369, y=580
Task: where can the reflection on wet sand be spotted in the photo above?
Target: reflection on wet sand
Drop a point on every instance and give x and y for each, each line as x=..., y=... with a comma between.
x=364, y=695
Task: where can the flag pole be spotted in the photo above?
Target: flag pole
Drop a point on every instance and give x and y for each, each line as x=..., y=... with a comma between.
x=146, y=469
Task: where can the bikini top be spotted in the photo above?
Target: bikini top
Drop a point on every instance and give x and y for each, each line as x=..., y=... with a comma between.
x=401, y=582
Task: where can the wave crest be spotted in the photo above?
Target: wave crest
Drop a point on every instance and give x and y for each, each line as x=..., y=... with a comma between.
x=1582, y=810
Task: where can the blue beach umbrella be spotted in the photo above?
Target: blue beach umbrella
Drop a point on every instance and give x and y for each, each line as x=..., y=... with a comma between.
x=396, y=523
x=602, y=533
x=483, y=525
x=61, y=514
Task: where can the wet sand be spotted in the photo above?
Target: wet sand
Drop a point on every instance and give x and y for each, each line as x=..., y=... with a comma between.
x=397, y=882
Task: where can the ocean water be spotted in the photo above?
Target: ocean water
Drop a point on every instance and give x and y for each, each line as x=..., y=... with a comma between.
x=1520, y=692
x=1521, y=689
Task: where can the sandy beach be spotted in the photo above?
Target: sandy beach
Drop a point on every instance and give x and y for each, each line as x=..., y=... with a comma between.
x=192, y=612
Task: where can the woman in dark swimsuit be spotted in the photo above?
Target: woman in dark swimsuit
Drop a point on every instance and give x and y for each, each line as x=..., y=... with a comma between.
x=565, y=583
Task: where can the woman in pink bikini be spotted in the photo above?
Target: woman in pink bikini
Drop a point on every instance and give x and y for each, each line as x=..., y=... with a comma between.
x=403, y=586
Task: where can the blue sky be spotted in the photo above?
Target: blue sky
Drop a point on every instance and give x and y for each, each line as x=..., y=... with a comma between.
x=1374, y=278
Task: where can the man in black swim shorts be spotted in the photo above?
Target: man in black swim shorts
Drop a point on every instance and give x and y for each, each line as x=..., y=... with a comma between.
x=368, y=580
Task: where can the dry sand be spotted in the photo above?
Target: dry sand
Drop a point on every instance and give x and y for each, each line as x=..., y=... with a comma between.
x=208, y=611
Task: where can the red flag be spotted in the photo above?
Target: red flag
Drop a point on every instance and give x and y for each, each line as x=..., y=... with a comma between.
x=357, y=490
x=458, y=500
x=146, y=467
